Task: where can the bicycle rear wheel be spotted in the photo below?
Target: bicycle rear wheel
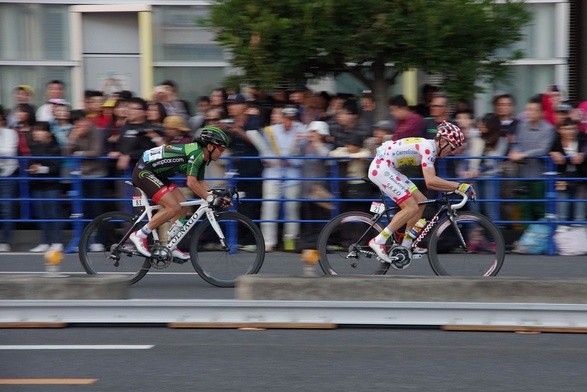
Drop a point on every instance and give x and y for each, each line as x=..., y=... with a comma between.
x=98, y=250
x=245, y=253
x=341, y=251
x=472, y=246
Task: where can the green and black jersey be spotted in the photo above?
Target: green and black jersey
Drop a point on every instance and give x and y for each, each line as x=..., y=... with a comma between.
x=167, y=160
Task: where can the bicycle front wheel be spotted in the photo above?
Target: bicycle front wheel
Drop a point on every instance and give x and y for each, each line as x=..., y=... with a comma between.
x=471, y=245
x=244, y=254
x=99, y=252
x=344, y=249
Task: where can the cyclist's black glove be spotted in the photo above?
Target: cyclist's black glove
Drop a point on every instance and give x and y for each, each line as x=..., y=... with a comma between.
x=222, y=202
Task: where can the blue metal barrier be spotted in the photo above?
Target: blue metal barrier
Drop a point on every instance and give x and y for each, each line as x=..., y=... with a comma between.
x=73, y=200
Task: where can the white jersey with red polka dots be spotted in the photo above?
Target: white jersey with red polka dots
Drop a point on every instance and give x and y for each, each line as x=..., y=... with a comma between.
x=391, y=156
x=411, y=151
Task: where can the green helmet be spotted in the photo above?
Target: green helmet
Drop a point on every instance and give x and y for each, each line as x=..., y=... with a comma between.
x=213, y=135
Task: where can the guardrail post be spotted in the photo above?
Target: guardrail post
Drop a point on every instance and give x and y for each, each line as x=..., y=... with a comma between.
x=335, y=186
x=24, y=189
x=551, y=197
x=77, y=213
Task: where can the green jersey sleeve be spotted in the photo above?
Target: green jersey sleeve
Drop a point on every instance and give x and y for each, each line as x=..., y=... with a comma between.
x=195, y=166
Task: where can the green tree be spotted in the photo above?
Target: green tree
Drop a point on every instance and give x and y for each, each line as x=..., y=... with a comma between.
x=373, y=40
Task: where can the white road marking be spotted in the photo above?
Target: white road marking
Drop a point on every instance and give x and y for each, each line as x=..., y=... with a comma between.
x=78, y=347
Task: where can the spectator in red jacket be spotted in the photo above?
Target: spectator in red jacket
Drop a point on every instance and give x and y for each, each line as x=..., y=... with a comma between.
x=408, y=123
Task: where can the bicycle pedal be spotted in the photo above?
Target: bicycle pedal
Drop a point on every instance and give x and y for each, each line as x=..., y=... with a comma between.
x=177, y=260
x=129, y=251
x=353, y=255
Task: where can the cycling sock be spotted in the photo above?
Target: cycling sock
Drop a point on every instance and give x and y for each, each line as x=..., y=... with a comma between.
x=407, y=241
x=144, y=232
x=383, y=236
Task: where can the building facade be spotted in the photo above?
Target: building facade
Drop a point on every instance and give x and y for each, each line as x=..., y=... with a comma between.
x=111, y=45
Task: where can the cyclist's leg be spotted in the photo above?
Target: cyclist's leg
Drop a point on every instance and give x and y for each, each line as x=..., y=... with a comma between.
x=397, y=186
x=179, y=196
x=169, y=200
x=417, y=197
x=162, y=191
x=401, y=190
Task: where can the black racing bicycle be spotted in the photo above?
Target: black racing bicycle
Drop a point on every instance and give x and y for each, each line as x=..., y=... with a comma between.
x=460, y=243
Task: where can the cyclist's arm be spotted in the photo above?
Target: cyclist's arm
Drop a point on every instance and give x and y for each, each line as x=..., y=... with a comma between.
x=436, y=183
x=199, y=187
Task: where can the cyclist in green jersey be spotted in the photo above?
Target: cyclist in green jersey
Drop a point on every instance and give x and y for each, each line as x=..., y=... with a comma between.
x=152, y=172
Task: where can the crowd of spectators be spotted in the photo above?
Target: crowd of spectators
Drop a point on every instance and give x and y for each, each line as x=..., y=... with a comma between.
x=115, y=129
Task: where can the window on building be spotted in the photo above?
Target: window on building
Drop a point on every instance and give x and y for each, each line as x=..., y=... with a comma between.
x=185, y=52
x=192, y=82
x=34, y=32
x=178, y=37
x=33, y=48
x=541, y=62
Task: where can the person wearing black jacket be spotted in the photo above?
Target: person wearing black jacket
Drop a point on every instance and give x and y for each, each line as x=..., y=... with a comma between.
x=45, y=192
x=137, y=135
x=568, y=152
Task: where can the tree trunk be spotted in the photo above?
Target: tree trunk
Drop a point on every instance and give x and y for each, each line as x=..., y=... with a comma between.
x=380, y=87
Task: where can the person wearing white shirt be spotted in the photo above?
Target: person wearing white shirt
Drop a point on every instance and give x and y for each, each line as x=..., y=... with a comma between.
x=283, y=138
x=55, y=92
x=8, y=186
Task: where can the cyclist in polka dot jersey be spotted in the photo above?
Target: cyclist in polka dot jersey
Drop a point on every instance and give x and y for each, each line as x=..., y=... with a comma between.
x=384, y=172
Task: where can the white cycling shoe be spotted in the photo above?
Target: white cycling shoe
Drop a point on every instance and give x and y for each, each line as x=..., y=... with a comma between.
x=141, y=244
x=419, y=251
x=380, y=250
x=180, y=254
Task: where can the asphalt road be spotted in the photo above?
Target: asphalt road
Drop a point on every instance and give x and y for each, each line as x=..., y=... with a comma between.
x=159, y=359
x=347, y=359
x=181, y=281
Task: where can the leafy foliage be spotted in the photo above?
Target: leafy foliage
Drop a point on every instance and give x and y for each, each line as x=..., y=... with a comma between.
x=374, y=40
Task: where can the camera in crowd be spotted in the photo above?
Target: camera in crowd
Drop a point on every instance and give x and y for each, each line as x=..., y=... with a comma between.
x=227, y=121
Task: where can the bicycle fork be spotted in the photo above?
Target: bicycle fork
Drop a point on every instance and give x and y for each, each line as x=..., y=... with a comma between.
x=216, y=227
x=452, y=218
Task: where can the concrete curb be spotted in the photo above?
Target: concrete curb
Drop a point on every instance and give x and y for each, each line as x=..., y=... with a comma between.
x=412, y=288
x=63, y=287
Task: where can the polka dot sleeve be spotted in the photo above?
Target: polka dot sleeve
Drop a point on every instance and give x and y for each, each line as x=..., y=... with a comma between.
x=428, y=152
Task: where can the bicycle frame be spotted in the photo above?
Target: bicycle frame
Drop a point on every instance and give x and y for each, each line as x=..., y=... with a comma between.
x=150, y=209
x=446, y=207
